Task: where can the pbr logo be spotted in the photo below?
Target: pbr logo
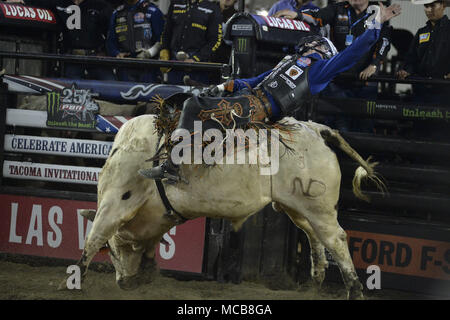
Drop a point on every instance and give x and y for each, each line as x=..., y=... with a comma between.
x=72, y=108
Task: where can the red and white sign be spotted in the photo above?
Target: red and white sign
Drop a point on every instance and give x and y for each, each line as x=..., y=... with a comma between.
x=54, y=228
x=283, y=23
x=15, y=11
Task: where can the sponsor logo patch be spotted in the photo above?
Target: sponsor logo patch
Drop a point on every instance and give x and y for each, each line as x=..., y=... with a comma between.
x=294, y=72
x=139, y=17
x=303, y=62
x=424, y=37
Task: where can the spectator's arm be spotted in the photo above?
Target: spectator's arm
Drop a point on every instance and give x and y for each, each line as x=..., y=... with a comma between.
x=167, y=30
x=411, y=57
x=213, y=37
x=105, y=18
x=273, y=9
x=157, y=24
x=320, y=17
x=111, y=40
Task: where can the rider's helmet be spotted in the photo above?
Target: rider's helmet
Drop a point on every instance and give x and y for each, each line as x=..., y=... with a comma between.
x=318, y=43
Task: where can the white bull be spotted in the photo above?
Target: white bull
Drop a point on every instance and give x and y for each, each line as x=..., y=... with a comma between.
x=130, y=215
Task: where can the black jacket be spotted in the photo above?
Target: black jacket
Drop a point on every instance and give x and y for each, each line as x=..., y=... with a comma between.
x=223, y=53
x=194, y=27
x=95, y=16
x=429, y=53
x=336, y=15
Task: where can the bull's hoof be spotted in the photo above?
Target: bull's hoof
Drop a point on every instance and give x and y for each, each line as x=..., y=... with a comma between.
x=63, y=285
x=318, y=276
x=129, y=283
x=355, y=293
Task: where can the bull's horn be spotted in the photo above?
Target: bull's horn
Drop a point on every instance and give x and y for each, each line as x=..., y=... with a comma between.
x=88, y=214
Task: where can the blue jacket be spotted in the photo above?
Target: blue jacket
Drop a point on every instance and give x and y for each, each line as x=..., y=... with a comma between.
x=322, y=71
x=156, y=20
x=290, y=5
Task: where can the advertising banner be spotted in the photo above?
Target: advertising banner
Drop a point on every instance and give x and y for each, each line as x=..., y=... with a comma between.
x=25, y=16
x=54, y=228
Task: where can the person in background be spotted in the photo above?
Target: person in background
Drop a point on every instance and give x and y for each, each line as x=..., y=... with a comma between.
x=429, y=57
x=88, y=40
x=192, y=33
x=135, y=31
x=347, y=20
x=291, y=5
x=222, y=54
x=429, y=54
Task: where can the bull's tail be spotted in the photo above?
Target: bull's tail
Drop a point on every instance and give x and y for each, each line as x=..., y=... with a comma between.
x=365, y=169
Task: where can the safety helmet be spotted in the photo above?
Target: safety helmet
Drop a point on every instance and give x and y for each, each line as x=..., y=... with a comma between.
x=315, y=41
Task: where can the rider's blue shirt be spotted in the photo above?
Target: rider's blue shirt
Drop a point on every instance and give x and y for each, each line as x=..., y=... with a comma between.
x=322, y=71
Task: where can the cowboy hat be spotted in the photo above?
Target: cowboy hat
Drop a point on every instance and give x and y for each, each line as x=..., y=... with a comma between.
x=423, y=1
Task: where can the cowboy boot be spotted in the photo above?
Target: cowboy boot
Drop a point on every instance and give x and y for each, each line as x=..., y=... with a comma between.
x=166, y=170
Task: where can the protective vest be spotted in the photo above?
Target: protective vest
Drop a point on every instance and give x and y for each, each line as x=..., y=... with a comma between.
x=288, y=83
x=133, y=28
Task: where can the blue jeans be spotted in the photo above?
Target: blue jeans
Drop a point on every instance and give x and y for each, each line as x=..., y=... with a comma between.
x=344, y=123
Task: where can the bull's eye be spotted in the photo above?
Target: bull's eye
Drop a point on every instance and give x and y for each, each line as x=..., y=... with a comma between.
x=126, y=195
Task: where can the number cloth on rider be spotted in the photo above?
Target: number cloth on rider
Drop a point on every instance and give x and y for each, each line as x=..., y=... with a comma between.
x=322, y=71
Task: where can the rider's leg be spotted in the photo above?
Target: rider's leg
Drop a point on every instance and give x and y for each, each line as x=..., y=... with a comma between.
x=252, y=109
x=168, y=169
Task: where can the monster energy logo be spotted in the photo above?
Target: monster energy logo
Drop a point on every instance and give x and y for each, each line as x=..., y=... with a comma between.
x=242, y=44
x=371, y=107
x=53, y=103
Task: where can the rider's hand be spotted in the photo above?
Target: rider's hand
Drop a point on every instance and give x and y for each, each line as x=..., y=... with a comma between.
x=213, y=91
x=387, y=13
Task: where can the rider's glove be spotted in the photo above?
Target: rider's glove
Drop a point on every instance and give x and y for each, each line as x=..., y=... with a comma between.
x=215, y=91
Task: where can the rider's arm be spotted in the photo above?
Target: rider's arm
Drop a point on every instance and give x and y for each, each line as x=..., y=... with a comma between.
x=323, y=71
x=240, y=84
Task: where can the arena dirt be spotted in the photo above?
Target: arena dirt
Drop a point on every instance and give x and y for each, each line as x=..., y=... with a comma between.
x=21, y=281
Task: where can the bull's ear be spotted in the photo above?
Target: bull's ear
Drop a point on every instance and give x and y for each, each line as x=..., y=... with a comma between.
x=88, y=214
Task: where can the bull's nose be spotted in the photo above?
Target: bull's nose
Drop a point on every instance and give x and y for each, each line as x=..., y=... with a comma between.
x=128, y=283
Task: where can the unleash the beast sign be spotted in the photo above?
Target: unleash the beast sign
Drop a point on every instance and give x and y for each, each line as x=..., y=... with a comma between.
x=71, y=108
